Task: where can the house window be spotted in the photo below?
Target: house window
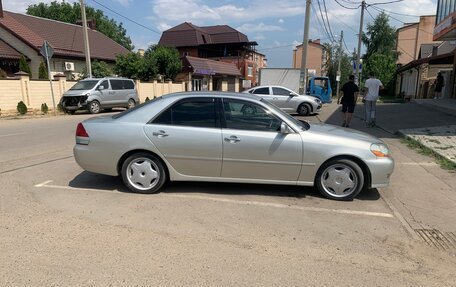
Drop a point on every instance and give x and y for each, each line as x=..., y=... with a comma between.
x=250, y=71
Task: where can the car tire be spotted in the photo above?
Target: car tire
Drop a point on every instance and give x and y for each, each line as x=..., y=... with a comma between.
x=304, y=110
x=131, y=104
x=143, y=173
x=340, y=179
x=94, y=107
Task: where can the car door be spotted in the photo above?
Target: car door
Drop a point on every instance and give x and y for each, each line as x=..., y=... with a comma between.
x=264, y=92
x=282, y=99
x=115, y=94
x=188, y=135
x=104, y=93
x=254, y=147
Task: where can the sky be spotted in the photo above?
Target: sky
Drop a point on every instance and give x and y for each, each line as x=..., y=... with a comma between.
x=276, y=25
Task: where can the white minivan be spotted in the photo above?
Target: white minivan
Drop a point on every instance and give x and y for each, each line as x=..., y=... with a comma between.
x=95, y=94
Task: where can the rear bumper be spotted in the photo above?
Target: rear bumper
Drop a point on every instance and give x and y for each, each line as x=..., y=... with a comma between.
x=381, y=170
x=95, y=160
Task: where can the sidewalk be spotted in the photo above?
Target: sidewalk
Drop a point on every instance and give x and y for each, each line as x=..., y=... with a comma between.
x=430, y=122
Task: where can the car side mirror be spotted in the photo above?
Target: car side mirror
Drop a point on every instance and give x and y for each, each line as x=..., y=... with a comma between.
x=292, y=94
x=100, y=88
x=285, y=129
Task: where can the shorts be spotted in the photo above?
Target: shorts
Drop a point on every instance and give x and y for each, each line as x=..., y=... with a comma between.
x=348, y=107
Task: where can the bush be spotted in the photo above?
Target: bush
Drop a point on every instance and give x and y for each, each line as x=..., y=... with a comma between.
x=24, y=67
x=42, y=72
x=21, y=108
x=60, y=108
x=147, y=99
x=44, y=108
x=3, y=74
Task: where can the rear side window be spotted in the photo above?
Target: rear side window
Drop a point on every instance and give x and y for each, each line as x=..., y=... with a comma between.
x=116, y=84
x=191, y=113
x=128, y=85
x=261, y=91
x=280, y=92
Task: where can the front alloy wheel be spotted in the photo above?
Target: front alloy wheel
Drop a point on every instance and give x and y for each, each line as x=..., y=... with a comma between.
x=143, y=173
x=340, y=179
x=94, y=107
x=304, y=110
x=131, y=103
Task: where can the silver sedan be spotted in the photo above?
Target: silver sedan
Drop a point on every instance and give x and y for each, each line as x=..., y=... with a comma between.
x=228, y=137
x=288, y=100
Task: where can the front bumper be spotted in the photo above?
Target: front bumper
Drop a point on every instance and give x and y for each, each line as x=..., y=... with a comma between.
x=73, y=103
x=381, y=170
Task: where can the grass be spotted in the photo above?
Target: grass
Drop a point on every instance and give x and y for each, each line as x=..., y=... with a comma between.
x=443, y=162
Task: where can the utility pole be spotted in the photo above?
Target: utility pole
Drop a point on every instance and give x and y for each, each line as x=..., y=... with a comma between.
x=358, y=56
x=86, y=40
x=340, y=61
x=305, y=41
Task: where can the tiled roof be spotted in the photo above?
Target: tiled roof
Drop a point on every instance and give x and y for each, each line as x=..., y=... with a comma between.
x=66, y=39
x=210, y=67
x=189, y=35
x=8, y=52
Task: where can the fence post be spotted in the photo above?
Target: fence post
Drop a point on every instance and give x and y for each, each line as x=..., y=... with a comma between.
x=155, y=88
x=170, y=86
x=183, y=86
x=138, y=89
x=62, y=85
x=24, y=80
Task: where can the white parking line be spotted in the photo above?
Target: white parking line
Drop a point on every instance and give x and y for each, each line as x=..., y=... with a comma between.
x=233, y=201
x=10, y=135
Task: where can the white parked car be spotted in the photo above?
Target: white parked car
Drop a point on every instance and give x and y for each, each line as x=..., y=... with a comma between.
x=288, y=100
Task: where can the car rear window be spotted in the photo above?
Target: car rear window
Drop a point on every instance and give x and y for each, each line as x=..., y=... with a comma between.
x=128, y=85
x=262, y=91
x=126, y=112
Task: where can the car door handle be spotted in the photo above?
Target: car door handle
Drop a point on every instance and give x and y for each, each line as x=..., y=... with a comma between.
x=275, y=98
x=160, y=134
x=232, y=139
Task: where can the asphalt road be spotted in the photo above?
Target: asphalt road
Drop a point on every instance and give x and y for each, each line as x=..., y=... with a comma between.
x=61, y=226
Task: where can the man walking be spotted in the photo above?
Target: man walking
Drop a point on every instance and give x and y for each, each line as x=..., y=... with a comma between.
x=350, y=95
x=372, y=87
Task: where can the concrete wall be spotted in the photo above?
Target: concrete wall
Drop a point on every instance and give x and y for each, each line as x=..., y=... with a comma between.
x=35, y=92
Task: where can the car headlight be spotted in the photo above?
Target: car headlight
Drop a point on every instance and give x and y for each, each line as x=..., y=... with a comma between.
x=317, y=100
x=380, y=150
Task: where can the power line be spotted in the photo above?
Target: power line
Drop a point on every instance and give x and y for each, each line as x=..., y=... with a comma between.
x=346, y=7
x=400, y=14
x=382, y=3
x=327, y=20
x=368, y=12
x=324, y=22
x=133, y=21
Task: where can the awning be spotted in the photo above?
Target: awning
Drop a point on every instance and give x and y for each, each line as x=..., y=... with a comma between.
x=209, y=67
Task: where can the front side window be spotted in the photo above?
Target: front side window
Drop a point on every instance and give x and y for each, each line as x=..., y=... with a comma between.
x=104, y=84
x=191, y=113
x=243, y=115
x=262, y=91
x=280, y=92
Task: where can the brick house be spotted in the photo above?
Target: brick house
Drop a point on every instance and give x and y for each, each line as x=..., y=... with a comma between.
x=24, y=35
x=220, y=43
x=316, y=58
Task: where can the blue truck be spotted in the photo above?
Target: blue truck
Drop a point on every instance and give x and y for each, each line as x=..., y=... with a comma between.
x=320, y=87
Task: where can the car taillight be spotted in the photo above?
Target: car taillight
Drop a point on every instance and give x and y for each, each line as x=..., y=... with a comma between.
x=82, y=137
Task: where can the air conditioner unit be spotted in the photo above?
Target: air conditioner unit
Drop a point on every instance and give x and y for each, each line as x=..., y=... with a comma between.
x=69, y=66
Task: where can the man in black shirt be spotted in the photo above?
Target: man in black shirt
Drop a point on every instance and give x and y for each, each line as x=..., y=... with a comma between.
x=350, y=95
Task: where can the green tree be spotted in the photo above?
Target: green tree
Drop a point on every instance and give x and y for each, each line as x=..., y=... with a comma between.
x=129, y=65
x=332, y=65
x=42, y=71
x=380, y=37
x=384, y=68
x=24, y=67
x=70, y=13
x=167, y=60
x=100, y=69
x=149, y=68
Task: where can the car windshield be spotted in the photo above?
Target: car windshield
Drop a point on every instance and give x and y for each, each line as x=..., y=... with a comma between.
x=302, y=124
x=84, y=85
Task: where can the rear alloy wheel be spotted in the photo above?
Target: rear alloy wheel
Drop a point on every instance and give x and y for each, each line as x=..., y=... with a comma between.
x=304, y=110
x=94, y=107
x=131, y=103
x=143, y=173
x=340, y=179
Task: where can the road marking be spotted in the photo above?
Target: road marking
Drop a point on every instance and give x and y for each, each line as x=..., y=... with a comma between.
x=417, y=163
x=233, y=201
x=10, y=135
